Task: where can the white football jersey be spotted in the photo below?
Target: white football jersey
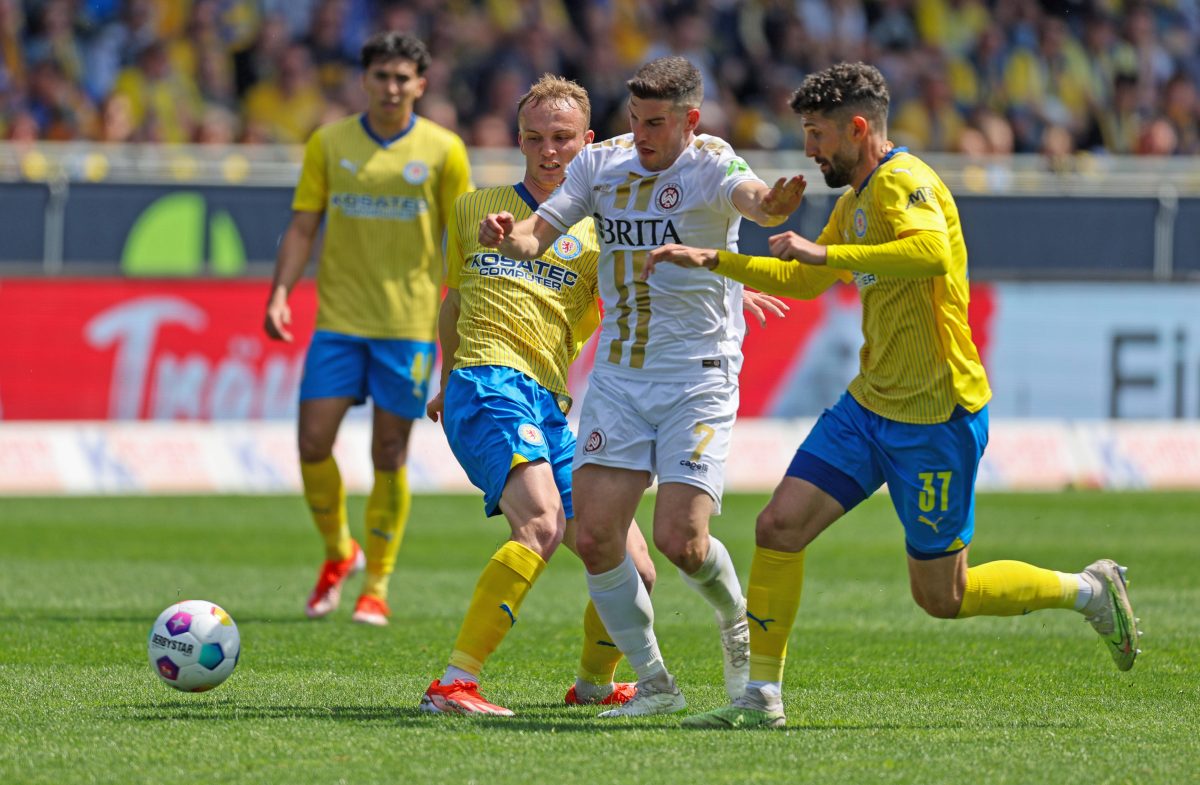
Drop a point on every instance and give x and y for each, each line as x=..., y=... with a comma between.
x=682, y=323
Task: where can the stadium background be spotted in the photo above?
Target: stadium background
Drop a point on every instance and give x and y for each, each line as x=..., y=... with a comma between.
x=151, y=147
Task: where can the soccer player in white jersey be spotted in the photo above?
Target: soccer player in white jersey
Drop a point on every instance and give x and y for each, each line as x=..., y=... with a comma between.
x=664, y=391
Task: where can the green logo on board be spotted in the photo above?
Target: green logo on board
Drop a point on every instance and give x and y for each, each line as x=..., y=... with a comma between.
x=168, y=238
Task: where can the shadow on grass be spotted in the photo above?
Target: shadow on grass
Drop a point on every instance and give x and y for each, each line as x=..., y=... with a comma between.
x=123, y=619
x=562, y=719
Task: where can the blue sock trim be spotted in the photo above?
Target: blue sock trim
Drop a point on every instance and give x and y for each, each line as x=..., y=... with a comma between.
x=829, y=478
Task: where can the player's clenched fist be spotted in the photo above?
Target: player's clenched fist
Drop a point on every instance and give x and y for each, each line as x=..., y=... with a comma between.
x=682, y=255
x=494, y=228
x=789, y=245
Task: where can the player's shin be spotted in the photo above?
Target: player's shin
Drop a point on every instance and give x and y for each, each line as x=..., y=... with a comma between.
x=501, y=589
x=1013, y=588
x=624, y=606
x=717, y=582
x=326, y=498
x=598, y=663
x=386, y=514
x=776, y=580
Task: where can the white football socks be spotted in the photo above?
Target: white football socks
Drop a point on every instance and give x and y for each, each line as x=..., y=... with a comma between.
x=1086, y=591
x=717, y=582
x=586, y=691
x=624, y=606
x=454, y=674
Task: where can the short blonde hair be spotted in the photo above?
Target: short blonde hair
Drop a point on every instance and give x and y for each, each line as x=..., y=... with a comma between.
x=556, y=89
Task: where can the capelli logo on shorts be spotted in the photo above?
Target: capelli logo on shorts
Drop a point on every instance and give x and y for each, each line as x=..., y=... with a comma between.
x=699, y=468
x=595, y=441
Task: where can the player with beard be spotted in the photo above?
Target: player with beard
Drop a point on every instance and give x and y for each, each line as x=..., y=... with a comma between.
x=914, y=417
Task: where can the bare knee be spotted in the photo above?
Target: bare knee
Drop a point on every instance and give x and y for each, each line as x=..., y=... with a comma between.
x=389, y=455
x=541, y=532
x=685, y=551
x=777, y=529
x=598, y=547
x=313, y=447
x=940, y=605
x=389, y=447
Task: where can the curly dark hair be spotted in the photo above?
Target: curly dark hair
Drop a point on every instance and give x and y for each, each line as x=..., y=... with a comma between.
x=668, y=79
x=856, y=87
x=391, y=46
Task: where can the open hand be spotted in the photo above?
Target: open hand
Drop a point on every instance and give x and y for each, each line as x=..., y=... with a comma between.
x=784, y=197
x=758, y=304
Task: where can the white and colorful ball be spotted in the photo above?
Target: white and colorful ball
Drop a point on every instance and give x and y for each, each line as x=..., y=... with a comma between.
x=194, y=645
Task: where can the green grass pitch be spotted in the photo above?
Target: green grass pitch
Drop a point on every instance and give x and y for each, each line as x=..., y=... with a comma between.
x=876, y=692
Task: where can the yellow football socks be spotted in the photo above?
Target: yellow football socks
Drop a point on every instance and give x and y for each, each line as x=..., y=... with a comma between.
x=1012, y=588
x=386, y=514
x=326, y=497
x=776, y=578
x=497, y=599
x=600, y=655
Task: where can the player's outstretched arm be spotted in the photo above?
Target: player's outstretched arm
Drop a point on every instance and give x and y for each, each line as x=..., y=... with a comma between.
x=527, y=239
x=765, y=273
x=769, y=206
x=294, y=251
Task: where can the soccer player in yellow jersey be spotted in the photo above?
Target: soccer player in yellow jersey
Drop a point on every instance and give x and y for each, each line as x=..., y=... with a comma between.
x=664, y=390
x=508, y=331
x=384, y=183
x=915, y=417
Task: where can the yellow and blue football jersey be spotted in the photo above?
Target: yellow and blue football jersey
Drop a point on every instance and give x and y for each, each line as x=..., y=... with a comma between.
x=918, y=361
x=533, y=316
x=386, y=204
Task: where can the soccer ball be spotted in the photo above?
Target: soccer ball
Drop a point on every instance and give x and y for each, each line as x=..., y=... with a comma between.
x=194, y=645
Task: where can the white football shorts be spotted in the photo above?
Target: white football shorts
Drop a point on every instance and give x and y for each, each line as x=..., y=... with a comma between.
x=677, y=431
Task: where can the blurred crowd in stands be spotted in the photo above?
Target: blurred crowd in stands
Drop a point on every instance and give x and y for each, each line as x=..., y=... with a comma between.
x=973, y=76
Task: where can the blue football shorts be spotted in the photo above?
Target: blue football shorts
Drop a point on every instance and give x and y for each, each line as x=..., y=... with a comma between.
x=496, y=417
x=930, y=470
x=394, y=372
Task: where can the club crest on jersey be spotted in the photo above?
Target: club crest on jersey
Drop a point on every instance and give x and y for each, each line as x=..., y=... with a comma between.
x=860, y=222
x=568, y=246
x=531, y=434
x=595, y=441
x=415, y=172
x=669, y=196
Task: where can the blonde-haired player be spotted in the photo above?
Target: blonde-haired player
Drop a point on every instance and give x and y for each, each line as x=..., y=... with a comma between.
x=508, y=332
x=509, y=329
x=663, y=393
x=384, y=183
